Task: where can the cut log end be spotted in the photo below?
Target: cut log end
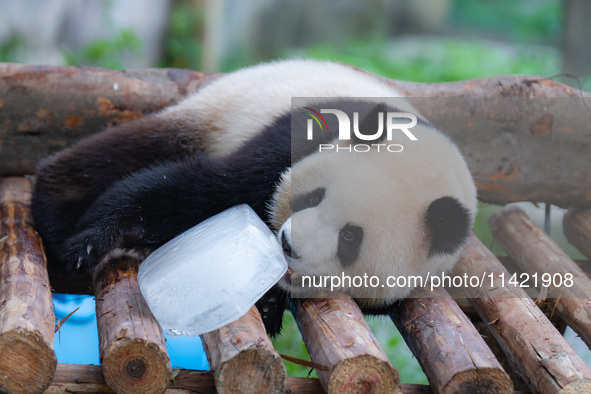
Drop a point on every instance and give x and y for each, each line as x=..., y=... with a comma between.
x=364, y=374
x=262, y=367
x=483, y=380
x=27, y=363
x=243, y=357
x=337, y=335
x=136, y=366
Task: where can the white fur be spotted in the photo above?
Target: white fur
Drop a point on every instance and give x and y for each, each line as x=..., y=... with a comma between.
x=386, y=193
x=237, y=106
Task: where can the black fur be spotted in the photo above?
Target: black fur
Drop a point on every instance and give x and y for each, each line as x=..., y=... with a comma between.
x=151, y=206
x=369, y=125
x=83, y=211
x=139, y=184
x=349, y=245
x=448, y=223
x=70, y=181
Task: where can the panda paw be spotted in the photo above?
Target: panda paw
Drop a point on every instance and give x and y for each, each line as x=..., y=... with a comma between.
x=86, y=249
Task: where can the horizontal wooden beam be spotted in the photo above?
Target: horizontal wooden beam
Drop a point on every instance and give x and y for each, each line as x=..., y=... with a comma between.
x=73, y=378
x=524, y=137
x=43, y=109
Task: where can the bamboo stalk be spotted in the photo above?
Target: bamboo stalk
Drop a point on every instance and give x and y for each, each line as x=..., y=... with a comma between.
x=243, y=358
x=27, y=360
x=537, y=254
x=131, y=344
x=337, y=336
x=450, y=350
x=535, y=348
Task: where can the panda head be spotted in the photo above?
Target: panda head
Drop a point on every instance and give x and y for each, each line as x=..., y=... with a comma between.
x=376, y=213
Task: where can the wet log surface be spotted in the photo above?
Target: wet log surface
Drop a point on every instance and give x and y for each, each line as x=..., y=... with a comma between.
x=27, y=323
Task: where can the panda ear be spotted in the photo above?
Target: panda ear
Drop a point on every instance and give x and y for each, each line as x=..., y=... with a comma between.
x=448, y=224
x=370, y=123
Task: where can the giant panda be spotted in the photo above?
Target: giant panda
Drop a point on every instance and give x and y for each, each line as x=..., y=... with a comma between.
x=134, y=186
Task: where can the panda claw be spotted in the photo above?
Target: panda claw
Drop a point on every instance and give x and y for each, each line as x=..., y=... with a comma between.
x=79, y=263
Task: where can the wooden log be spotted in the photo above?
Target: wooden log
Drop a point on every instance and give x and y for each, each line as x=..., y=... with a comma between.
x=27, y=323
x=35, y=122
x=537, y=254
x=131, y=343
x=243, y=358
x=450, y=350
x=44, y=108
x=337, y=336
x=76, y=378
x=535, y=348
x=73, y=378
x=577, y=228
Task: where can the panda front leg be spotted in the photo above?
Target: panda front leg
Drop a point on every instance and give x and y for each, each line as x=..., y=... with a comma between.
x=141, y=212
x=147, y=209
x=70, y=181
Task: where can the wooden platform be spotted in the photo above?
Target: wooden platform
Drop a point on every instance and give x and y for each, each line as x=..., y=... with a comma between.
x=522, y=346
x=450, y=349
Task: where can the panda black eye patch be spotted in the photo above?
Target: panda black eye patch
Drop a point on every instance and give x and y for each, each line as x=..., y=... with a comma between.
x=350, y=239
x=308, y=200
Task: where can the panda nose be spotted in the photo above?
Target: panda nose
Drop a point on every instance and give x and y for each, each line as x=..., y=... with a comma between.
x=287, y=247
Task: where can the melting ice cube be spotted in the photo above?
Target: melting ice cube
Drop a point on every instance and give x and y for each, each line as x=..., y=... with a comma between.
x=211, y=274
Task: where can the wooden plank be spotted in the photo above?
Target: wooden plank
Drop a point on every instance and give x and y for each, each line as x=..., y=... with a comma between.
x=338, y=337
x=35, y=122
x=577, y=228
x=27, y=323
x=243, y=358
x=131, y=344
x=537, y=254
x=450, y=350
x=72, y=378
x=538, y=352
